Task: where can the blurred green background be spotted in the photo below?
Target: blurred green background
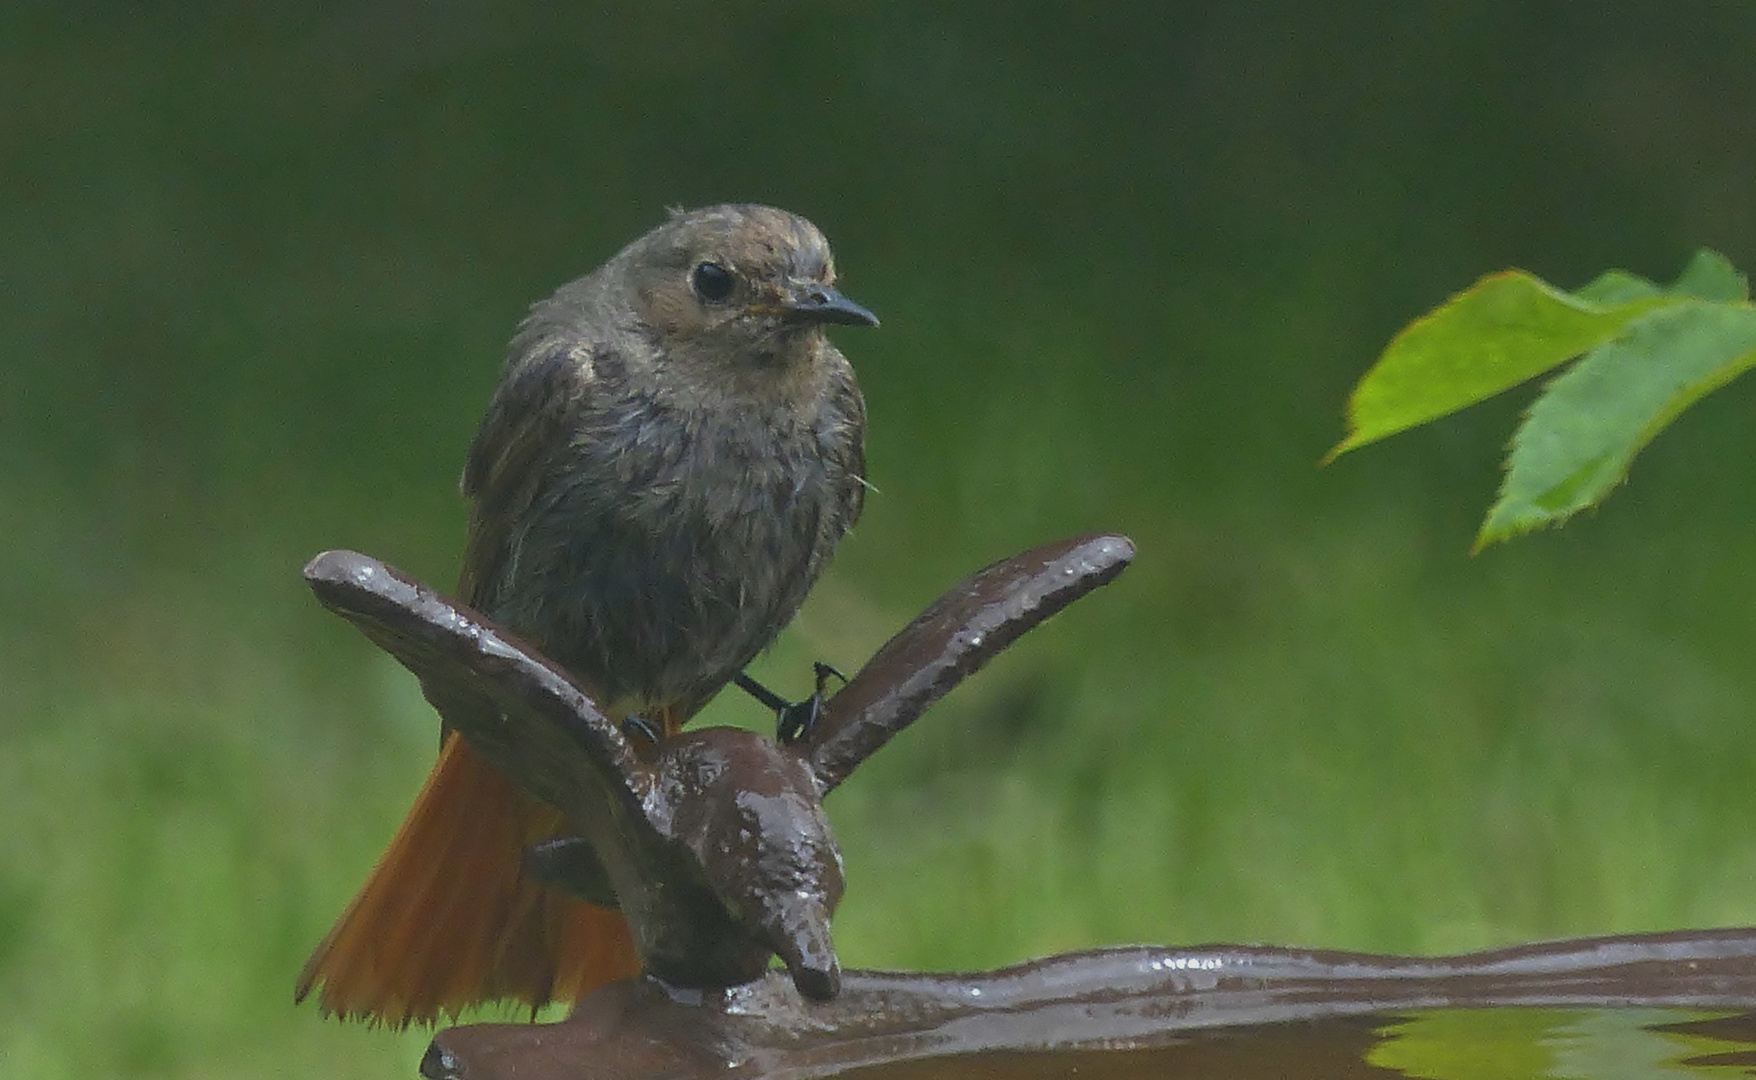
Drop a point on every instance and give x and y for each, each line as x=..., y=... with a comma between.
x=258, y=263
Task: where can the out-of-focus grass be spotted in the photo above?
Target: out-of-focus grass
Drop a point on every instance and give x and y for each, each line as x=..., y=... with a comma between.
x=258, y=270
x=177, y=791
x=1366, y=760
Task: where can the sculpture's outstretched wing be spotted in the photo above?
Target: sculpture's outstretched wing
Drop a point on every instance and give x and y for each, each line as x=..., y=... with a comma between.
x=948, y=642
x=716, y=848
x=550, y=732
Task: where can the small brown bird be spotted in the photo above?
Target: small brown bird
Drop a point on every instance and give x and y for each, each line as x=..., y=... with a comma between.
x=672, y=454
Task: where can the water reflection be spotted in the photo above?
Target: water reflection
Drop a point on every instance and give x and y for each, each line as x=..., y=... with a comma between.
x=1435, y=1044
x=1567, y=1044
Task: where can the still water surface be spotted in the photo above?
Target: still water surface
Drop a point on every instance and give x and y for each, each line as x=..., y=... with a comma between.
x=1435, y=1044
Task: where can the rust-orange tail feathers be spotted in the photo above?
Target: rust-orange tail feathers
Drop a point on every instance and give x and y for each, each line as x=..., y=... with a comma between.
x=449, y=919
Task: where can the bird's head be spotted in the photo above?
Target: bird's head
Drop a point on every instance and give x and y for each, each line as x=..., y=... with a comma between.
x=738, y=285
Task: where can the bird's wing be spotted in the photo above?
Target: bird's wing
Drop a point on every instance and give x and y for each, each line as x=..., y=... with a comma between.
x=506, y=467
x=853, y=407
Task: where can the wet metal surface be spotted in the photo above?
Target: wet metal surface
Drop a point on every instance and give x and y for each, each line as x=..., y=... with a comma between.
x=715, y=845
x=693, y=842
x=1260, y=1011
x=952, y=639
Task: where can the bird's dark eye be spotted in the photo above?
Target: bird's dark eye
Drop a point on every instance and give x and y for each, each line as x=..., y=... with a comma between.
x=713, y=282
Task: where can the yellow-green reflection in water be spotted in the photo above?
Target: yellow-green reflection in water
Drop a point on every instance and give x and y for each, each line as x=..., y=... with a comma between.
x=1567, y=1044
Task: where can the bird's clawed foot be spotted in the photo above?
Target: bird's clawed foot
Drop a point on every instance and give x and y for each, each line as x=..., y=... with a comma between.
x=794, y=720
x=798, y=720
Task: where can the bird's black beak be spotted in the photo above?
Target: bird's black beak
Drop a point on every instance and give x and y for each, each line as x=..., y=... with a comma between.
x=812, y=302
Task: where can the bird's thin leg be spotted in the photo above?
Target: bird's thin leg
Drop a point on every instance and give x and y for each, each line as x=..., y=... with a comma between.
x=768, y=698
x=639, y=725
x=794, y=720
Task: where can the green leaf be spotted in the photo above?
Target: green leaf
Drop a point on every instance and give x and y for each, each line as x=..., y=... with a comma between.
x=1578, y=439
x=1507, y=328
x=1617, y=287
x=1710, y=276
